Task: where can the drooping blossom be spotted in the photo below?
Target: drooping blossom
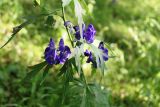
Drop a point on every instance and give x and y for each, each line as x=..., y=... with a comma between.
x=88, y=33
x=77, y=31
x=104, y=51
x=89, y=55
x=90, y=58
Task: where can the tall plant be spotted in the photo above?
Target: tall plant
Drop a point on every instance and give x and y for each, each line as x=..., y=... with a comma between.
x=82, y=38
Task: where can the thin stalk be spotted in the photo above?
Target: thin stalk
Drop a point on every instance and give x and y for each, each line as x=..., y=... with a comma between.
x=70, y=38
x=85, y=81
x=64, y=19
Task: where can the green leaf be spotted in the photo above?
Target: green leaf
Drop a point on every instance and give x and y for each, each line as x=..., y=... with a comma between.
x=84, y=5
x=77, y=58
x=35, y=70
x=37, y=2
x=67, y=66
x=50, y=20
x=15, y=31
x=30, y=19
x=83, y=103
x=100, y=96
x=38, y=65
x=62, y=70
x=68, y=77
x=45, y=72
x=93, y=71
x=95, y=97
x=73, y=62
x=65, y=2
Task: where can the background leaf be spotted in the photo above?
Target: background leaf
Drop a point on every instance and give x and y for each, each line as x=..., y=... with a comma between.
x=35, y=70
x=50, y=20
x=37, y=2
x=66, y=2
x=15, y=31
x=38, y=65
x=45, y=72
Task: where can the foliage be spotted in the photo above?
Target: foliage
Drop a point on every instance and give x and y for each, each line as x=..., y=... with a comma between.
x=132, y=78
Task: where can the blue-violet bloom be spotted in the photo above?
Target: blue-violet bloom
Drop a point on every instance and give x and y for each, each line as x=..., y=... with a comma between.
x=64, y=52
x=90, y=58
x=53, y=56
x=77, y=30
x=50, y=53
x=104, y=50
x=89, y=55
x=90, y=34
x=67, y=23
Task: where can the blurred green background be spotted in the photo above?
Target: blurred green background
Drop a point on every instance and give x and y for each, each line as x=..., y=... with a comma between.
x=130, y=27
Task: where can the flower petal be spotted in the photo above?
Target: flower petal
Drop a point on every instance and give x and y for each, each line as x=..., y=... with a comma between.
x=86, y=53
x=51, y=43
x=101, y=45
x=89, y=34
x=61, y=45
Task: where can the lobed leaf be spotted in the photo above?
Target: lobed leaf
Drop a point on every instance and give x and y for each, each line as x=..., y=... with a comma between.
x=35, y=70
x=37, y=65
x=94, y=97
x=45, y=72
x=30, y=19
x=50, y=20
x=15, y=31
x=62, y=70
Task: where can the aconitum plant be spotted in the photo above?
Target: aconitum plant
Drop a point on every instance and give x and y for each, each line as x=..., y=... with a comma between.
x=72, y=56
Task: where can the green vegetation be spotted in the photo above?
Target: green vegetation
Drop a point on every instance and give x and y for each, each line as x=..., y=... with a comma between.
x=130, y=27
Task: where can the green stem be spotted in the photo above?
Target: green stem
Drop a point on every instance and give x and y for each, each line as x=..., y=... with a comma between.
x=83, y=77
x=64, y=19
x=70, y=38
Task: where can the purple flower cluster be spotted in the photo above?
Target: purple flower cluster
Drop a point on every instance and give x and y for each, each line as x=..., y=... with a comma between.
x=88, y=33
x=62, y=53
x=90, y=55
x=56, y=56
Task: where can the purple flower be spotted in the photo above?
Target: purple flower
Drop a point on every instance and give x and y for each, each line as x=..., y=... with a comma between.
x=53, y=56
x=90, y=58
x=61, y=45
x=86, y=53
x=89, y=55
x=64, y=52
x=67, y=23
x=51, y=44
x=89, y=34
x=104, y=50
x=77, y=30
x=50, y=53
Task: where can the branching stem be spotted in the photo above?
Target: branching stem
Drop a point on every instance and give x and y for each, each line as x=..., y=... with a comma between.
x=64, y=20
